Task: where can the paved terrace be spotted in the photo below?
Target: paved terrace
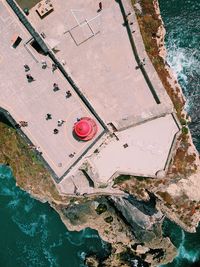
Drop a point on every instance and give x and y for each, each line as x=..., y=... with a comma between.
x=105, y=69
x=107, y=73
x=143, y=150
x=32, y=101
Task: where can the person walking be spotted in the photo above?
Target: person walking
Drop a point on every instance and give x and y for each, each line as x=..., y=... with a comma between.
x=100, y=6
x=60, y=122
x=48, y=116
x=26, y=67
x=54, y=67
x=55, y=87
x=55, y=131
x=23, y=123
x=30, y=78
x=68, y=94
x=44, y=64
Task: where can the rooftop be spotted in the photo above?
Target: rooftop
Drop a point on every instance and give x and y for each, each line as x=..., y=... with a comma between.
x=107, y=73
x=31, y=102
x=95, y=50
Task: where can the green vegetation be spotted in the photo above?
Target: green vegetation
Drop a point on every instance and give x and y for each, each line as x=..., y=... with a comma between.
x=120, y=179
x=149, y=23
x=101, y=208
x=166, y=197
x=108, y=219
x=27, y=4
x=28, y=170
x=102, y=185
x=183, y=121
x=185, y=130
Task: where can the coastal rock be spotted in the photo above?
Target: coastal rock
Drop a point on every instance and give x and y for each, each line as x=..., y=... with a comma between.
x=91, y=261
x=78, y=216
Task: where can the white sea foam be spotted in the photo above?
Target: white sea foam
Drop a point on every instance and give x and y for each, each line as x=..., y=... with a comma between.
x=183, y=253
x=135, y=263
x=57, y=243
x=77, y=240
x=13, y=203
x=29, y=205
x=185, y=63
x=5, y=191
x=31, y=226
x=52, y=259
x=82, y=255
x=191, y=256
x=30, y=256
x=27, y=228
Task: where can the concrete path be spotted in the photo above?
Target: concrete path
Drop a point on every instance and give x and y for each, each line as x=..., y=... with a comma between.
x=32, y=101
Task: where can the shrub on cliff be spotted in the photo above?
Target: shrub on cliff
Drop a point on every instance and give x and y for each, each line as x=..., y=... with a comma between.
x=184, y=130
x=101, y=208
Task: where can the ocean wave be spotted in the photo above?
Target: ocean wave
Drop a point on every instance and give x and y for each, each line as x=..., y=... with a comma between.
x=76, y=239
x=183, y=253
x=29, y=205
x=27, y=228
x=50, y=257
x=5, y=191
x=57, y=243
x=31, y=226
x=30, y=256
x=79, y=238
x=182, y=43
x=82, y=255
x=13, y=203
x=191, y=256
x=185, y=63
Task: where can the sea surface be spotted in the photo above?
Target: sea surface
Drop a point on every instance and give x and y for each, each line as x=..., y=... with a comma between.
x=32, y=234
x=182, y=23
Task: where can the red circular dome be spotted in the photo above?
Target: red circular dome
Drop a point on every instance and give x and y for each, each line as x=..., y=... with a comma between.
x=83, y=128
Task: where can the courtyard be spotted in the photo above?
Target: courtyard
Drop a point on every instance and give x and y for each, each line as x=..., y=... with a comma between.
x=32, y=101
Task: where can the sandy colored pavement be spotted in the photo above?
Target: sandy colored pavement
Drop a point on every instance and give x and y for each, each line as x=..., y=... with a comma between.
x=32, y=101
x=96, y=52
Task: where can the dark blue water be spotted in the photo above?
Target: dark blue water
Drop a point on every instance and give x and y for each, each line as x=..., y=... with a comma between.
x=188, y=246
x=32, y=234
x=182, y=22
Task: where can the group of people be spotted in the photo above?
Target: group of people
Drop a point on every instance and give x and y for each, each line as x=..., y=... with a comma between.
x=57, y=88
x=141, y=64
x=59, y=122
x=28, y=76
x=21, y=124
x=100, y=7
x=44, y=66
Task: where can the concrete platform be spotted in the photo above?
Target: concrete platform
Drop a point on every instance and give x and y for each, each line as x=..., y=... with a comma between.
x=99, y=57
x=95, y=50
x=32, y=101
x=142, y=150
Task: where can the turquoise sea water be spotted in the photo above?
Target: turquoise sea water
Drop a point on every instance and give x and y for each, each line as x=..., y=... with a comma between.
x=32, y=234
x=188, y=246
x=182, y=22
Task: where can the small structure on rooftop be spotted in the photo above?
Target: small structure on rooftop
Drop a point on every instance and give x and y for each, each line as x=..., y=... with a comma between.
x=85, y=129
x=44, y=8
